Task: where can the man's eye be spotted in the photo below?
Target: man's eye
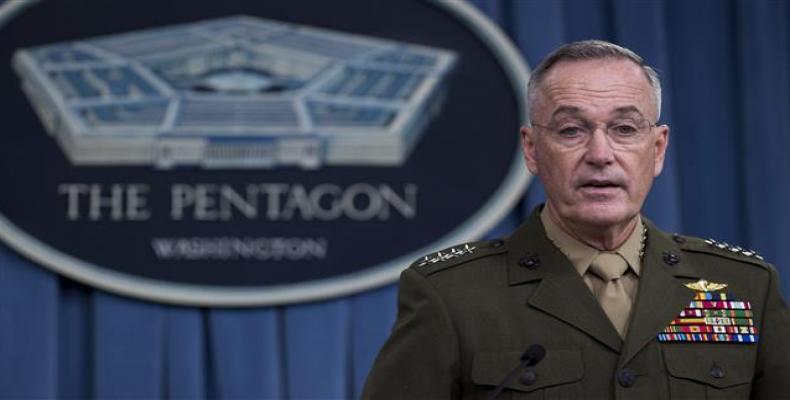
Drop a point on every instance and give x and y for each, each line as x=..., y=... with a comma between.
x=624, y=130
x=571, y=131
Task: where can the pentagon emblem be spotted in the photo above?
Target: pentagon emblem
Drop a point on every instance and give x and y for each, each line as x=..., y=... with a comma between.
x=241, y=154
x=235, y=92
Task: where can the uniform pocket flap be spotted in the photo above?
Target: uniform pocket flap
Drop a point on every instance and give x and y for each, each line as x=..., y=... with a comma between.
x=559, y=366
x=721, y=367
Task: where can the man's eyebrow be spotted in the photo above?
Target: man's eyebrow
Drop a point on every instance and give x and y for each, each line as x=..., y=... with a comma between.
x=576, y=111
x=627, y=110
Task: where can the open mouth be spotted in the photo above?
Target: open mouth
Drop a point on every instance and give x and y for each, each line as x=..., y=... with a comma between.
x=600, y=185
x=600, y=189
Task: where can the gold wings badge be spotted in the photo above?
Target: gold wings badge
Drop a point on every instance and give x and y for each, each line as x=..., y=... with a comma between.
x=705, y=286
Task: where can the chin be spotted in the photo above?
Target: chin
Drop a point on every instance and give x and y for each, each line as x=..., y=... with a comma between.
x=603, y=214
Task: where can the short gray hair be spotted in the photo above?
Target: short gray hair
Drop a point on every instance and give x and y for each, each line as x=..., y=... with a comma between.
x=590, y=50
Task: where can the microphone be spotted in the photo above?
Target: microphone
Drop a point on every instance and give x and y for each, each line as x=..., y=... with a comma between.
x=530, y=358
x=533, y=355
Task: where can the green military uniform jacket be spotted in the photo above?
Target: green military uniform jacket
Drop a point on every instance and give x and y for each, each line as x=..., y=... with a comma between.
x=467, y=315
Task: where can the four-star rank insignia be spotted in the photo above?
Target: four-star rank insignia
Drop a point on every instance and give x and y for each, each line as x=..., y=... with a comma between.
x=712, y=316
x=445, y=255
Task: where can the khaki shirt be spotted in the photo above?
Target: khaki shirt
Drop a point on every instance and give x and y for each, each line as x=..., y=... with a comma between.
x=581, y=255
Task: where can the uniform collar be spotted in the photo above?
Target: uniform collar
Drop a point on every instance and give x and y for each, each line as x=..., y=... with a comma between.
x=532, y=255
x=581, y=255
x=561, y=292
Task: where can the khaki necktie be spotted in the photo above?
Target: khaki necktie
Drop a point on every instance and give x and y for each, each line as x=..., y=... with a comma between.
x=611, y=294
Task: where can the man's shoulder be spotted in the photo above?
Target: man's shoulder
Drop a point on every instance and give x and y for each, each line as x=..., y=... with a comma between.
x=719, y=250
x=476, y=252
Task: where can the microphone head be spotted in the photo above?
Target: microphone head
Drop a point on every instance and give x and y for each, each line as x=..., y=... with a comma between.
x=533, y=355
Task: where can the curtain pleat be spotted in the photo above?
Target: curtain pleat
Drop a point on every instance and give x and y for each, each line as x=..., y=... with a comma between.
x=765, y=98
x=75, y=341
x=705, y=133
x=318, y=344
x=538, y=28
x=184, y=353
x=588, y=19
x=127, y=347
x=245, y=354
x=28, y=328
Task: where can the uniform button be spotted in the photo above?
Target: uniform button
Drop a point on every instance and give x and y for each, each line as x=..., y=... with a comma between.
x=670, y=258
x=528, y=377
x=626, y=377
x=717, y=372
x=497, y=243
x=530, y=261
x=678, y=239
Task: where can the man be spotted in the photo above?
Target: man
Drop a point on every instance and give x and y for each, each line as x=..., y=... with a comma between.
x=606, y=304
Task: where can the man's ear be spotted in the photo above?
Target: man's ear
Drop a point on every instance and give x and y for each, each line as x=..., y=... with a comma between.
x=661, y=143
x=528, y=148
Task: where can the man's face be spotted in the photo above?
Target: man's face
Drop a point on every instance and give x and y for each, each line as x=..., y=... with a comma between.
x=600, y=182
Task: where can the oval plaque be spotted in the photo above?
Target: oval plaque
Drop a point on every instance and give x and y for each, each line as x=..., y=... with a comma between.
x=243, y=153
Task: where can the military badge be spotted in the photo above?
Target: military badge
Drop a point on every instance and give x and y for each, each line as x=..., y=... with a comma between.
x=705, y=286
x=712, y=316
x=446, y=255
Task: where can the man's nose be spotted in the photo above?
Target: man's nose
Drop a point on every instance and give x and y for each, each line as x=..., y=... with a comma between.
x=599, y=148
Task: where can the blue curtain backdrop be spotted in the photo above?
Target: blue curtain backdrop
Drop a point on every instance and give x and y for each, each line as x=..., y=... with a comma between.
x=725, y=69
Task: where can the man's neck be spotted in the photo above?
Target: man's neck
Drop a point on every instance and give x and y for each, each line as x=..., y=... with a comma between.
x=608, y=238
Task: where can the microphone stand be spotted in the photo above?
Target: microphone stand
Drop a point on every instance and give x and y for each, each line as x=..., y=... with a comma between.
x=530, y=358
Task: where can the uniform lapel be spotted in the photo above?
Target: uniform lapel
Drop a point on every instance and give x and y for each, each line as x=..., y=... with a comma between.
x=661, y=294
x=561, y=291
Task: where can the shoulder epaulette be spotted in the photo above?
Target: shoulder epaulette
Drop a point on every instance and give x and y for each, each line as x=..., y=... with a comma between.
x=457, y=255
x=722, y=249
